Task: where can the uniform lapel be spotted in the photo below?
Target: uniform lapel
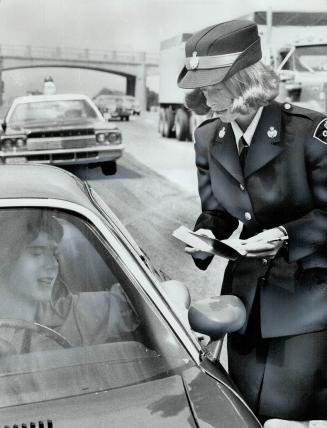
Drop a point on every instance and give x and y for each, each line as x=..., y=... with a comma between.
x=224, y=150
x=265, y=142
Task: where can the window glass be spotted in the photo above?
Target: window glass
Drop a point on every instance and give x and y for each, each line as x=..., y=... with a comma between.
x=70, y=314
x=53, y=111
x=311, y=58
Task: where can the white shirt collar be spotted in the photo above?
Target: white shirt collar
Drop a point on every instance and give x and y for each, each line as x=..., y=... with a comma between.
x=250, y=130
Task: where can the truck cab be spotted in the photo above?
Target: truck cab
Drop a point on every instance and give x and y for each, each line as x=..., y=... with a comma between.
x=303, y=74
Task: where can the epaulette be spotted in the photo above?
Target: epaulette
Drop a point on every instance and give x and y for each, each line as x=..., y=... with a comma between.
x=205, y=122
x=300, y=111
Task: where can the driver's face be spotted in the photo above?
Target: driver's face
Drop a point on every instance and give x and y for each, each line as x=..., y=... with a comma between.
x=36, y=269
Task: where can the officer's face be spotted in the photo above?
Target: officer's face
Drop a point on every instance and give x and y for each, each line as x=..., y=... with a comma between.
x=220, y=100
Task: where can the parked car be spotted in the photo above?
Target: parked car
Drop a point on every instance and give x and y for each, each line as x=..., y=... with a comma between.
x=90, y=333
x=60, y=130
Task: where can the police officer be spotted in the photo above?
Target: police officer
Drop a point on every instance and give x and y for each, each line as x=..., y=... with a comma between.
x=264, y=164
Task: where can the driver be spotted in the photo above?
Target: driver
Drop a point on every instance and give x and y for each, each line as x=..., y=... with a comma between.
x=32, y=290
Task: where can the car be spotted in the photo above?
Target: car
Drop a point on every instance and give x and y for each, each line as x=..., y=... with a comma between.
x=65, y=129
x=91, y=334
x=133, y=104
x=113, y=107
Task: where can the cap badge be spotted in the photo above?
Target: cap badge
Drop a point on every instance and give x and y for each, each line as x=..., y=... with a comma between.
x=222, y=132
x=272, y=132
x=194, y=61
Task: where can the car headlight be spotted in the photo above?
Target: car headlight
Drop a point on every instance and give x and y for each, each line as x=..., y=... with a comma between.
x=20, y=142
x=100, y=137
x=108, y=137
x=8, y=144
x=13, y=143
x=114, y=138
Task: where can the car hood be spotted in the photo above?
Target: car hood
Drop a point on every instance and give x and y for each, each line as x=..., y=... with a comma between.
x=192, y=399
x=55, y=126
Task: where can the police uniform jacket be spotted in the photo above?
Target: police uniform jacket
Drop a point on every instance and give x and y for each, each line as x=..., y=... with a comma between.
x=284, y=184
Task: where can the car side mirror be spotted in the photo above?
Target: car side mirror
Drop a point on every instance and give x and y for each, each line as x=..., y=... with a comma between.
x=215, y=317
x=4, y=126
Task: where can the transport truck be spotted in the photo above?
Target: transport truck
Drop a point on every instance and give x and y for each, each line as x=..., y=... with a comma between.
x=293, y=43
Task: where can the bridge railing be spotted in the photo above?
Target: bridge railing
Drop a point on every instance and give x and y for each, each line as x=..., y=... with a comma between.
x=67, y=53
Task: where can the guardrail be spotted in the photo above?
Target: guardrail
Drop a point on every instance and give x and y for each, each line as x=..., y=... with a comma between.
x=67, y=53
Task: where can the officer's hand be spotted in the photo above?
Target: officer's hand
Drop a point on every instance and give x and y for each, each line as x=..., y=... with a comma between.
x=264, y=244
x=195, y=251
x=237, y=244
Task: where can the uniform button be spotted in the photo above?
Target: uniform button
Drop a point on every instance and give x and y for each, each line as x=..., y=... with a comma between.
x=264, y=261
x=287, y=106
x=242, y=187
x=247, y=216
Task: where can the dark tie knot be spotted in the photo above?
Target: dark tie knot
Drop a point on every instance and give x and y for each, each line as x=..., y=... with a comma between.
x=242, y=144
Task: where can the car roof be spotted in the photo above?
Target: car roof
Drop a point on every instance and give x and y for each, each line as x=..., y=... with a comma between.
x=42, y=182
x=56, y=97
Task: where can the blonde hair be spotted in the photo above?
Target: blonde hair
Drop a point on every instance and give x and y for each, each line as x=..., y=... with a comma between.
x=251, y=88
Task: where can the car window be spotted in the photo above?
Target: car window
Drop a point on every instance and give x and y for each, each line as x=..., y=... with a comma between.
x=53, y=111
x=70, y=314
x=311, y=58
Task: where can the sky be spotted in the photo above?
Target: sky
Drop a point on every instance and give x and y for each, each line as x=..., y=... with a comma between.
x=129, y=25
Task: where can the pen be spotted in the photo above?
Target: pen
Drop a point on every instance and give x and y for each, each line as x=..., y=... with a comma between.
x=282, y=238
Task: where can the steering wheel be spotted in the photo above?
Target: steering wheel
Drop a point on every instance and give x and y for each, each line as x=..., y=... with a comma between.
x=37, y=328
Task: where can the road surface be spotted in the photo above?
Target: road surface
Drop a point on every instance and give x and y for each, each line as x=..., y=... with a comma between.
x=153, y=193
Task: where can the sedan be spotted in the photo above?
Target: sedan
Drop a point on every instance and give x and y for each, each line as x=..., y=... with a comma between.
x=90, y=333
x=59, y=130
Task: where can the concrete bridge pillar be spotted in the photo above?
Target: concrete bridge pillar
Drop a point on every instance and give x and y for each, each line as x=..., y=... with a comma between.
x=140, y=90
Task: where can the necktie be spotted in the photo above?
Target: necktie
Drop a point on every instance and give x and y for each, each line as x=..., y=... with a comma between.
x=244, y=147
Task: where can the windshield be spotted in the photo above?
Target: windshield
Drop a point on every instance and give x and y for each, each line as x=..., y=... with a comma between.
x=311, y=58
x=71, y=319
x=53, y=111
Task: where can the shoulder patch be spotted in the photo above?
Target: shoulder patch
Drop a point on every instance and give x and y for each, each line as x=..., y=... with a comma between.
x=320, y=133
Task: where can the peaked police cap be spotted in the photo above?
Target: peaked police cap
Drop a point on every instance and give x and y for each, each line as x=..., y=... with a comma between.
x=217, y=52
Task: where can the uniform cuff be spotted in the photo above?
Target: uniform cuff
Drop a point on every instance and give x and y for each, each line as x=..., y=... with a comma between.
x=282, y=229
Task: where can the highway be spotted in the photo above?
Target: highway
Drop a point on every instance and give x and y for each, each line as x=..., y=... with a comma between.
x=154, y=192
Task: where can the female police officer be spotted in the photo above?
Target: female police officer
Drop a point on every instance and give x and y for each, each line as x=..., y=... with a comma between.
x=264, y=164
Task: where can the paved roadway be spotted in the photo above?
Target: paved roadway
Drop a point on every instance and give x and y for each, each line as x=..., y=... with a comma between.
x=154, y=192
